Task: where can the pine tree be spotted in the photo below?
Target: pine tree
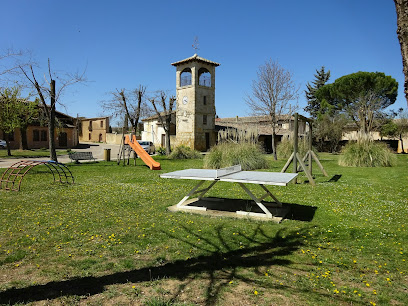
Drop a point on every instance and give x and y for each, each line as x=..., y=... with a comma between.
x=313, y=104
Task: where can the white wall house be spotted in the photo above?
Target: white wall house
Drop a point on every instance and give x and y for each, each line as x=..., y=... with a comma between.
x=153, y=130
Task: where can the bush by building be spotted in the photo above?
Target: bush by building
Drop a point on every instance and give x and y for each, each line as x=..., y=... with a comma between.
x=184, y=152
x=366, y=153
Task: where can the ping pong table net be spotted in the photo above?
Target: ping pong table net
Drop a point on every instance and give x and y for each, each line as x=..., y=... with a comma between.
x=228, y=170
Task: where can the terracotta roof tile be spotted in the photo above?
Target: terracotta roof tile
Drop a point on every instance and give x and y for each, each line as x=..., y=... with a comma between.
x=195, y=57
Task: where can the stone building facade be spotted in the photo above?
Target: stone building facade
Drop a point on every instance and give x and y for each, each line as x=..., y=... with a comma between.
x=93, y=129
x=195, y=103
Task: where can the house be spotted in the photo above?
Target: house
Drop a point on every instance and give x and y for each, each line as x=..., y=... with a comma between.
x=153, y=130
x=262, y=126
x=37, y=134
x=351, y=132
x=93, y=129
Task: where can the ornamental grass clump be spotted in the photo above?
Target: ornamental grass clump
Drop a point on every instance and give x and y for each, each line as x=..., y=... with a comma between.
x=285, y=148
x=250, y=156
x=184, y=152
x=366, y=153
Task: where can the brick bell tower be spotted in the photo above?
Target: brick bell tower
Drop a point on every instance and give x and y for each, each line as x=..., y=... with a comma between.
x=195, y=102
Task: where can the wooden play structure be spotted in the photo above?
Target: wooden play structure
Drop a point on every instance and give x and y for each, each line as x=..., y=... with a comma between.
x=131, y=145
x=309, y=156
x=125, y=152
x=13, y=176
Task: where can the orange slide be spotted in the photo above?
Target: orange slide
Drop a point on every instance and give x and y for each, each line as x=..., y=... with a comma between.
x=153, y=165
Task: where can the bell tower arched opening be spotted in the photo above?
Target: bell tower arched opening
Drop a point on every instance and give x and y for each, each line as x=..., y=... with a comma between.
x=204, y=77
x=185, y=77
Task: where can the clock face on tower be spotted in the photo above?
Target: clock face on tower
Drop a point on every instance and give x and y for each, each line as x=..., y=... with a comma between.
x=185, y=100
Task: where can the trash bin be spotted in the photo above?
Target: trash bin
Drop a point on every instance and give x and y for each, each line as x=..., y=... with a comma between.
x=107, y=154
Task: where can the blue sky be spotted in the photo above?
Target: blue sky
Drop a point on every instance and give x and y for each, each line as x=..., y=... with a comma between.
x=126, y=43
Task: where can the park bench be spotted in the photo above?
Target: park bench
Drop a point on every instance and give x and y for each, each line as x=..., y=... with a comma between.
x=76, y=156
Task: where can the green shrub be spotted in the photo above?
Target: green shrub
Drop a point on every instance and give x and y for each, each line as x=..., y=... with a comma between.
x=249, y=156
x=161, y=151
x=285, y=148
x=366, y=153
x=184, y=152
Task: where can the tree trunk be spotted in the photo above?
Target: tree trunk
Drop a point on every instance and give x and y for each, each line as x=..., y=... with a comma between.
x=402, y=145
x=51, y=123
x=275, y=156
x=167, y=130
x=402, y=31
x=7, y=139
x=168, y=149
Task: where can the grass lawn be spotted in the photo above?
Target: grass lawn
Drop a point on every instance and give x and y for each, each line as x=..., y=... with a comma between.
x=109, y=239
x=29, y=153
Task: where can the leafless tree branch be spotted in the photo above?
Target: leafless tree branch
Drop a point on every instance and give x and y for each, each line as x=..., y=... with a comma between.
x=272, y=93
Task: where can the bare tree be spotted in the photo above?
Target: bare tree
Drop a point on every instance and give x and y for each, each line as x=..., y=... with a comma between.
x=128, y=104
x=402, y=31
x=271, y=95
x=8, y=63
x=164, y=115
x=48, y=90
x=11, y=61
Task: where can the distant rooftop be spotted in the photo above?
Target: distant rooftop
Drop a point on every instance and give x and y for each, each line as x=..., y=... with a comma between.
x=197, y=58
x=250, y=119
x=155, y=116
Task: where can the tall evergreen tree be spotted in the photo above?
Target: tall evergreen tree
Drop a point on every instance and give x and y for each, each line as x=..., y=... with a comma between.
x=363, y=96
x=313, y=104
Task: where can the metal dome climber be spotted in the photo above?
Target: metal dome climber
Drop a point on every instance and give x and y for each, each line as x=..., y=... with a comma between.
x=13, y=176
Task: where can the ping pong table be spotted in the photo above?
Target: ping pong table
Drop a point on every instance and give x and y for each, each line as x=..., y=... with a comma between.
x=232, y=174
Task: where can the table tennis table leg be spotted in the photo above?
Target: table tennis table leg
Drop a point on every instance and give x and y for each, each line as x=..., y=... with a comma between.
x=181, y=203
x=269, y=193
x=258, y=202
x=194, y=191
x=204, y=191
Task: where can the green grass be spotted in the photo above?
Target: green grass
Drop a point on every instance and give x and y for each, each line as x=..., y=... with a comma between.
x=109, y=239
x=29, y=153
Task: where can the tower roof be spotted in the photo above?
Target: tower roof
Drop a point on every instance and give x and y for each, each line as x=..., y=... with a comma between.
x=196, y=58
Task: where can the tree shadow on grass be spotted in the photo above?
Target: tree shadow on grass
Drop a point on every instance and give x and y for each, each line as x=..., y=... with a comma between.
x=301, y=212
x=85, y=145
x=226, y=257
x=335, y=178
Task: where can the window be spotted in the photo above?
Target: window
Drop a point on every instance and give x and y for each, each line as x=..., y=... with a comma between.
x=90, y=136
x=204, y=77
x=43, y=135
x=36, y=135
x=101, y=123
x=90, y=125
x=185, y=77
x=204, y=119
x=205, y=100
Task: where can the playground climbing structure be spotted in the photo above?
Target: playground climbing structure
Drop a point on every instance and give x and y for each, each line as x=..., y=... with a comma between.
x=13, y=176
